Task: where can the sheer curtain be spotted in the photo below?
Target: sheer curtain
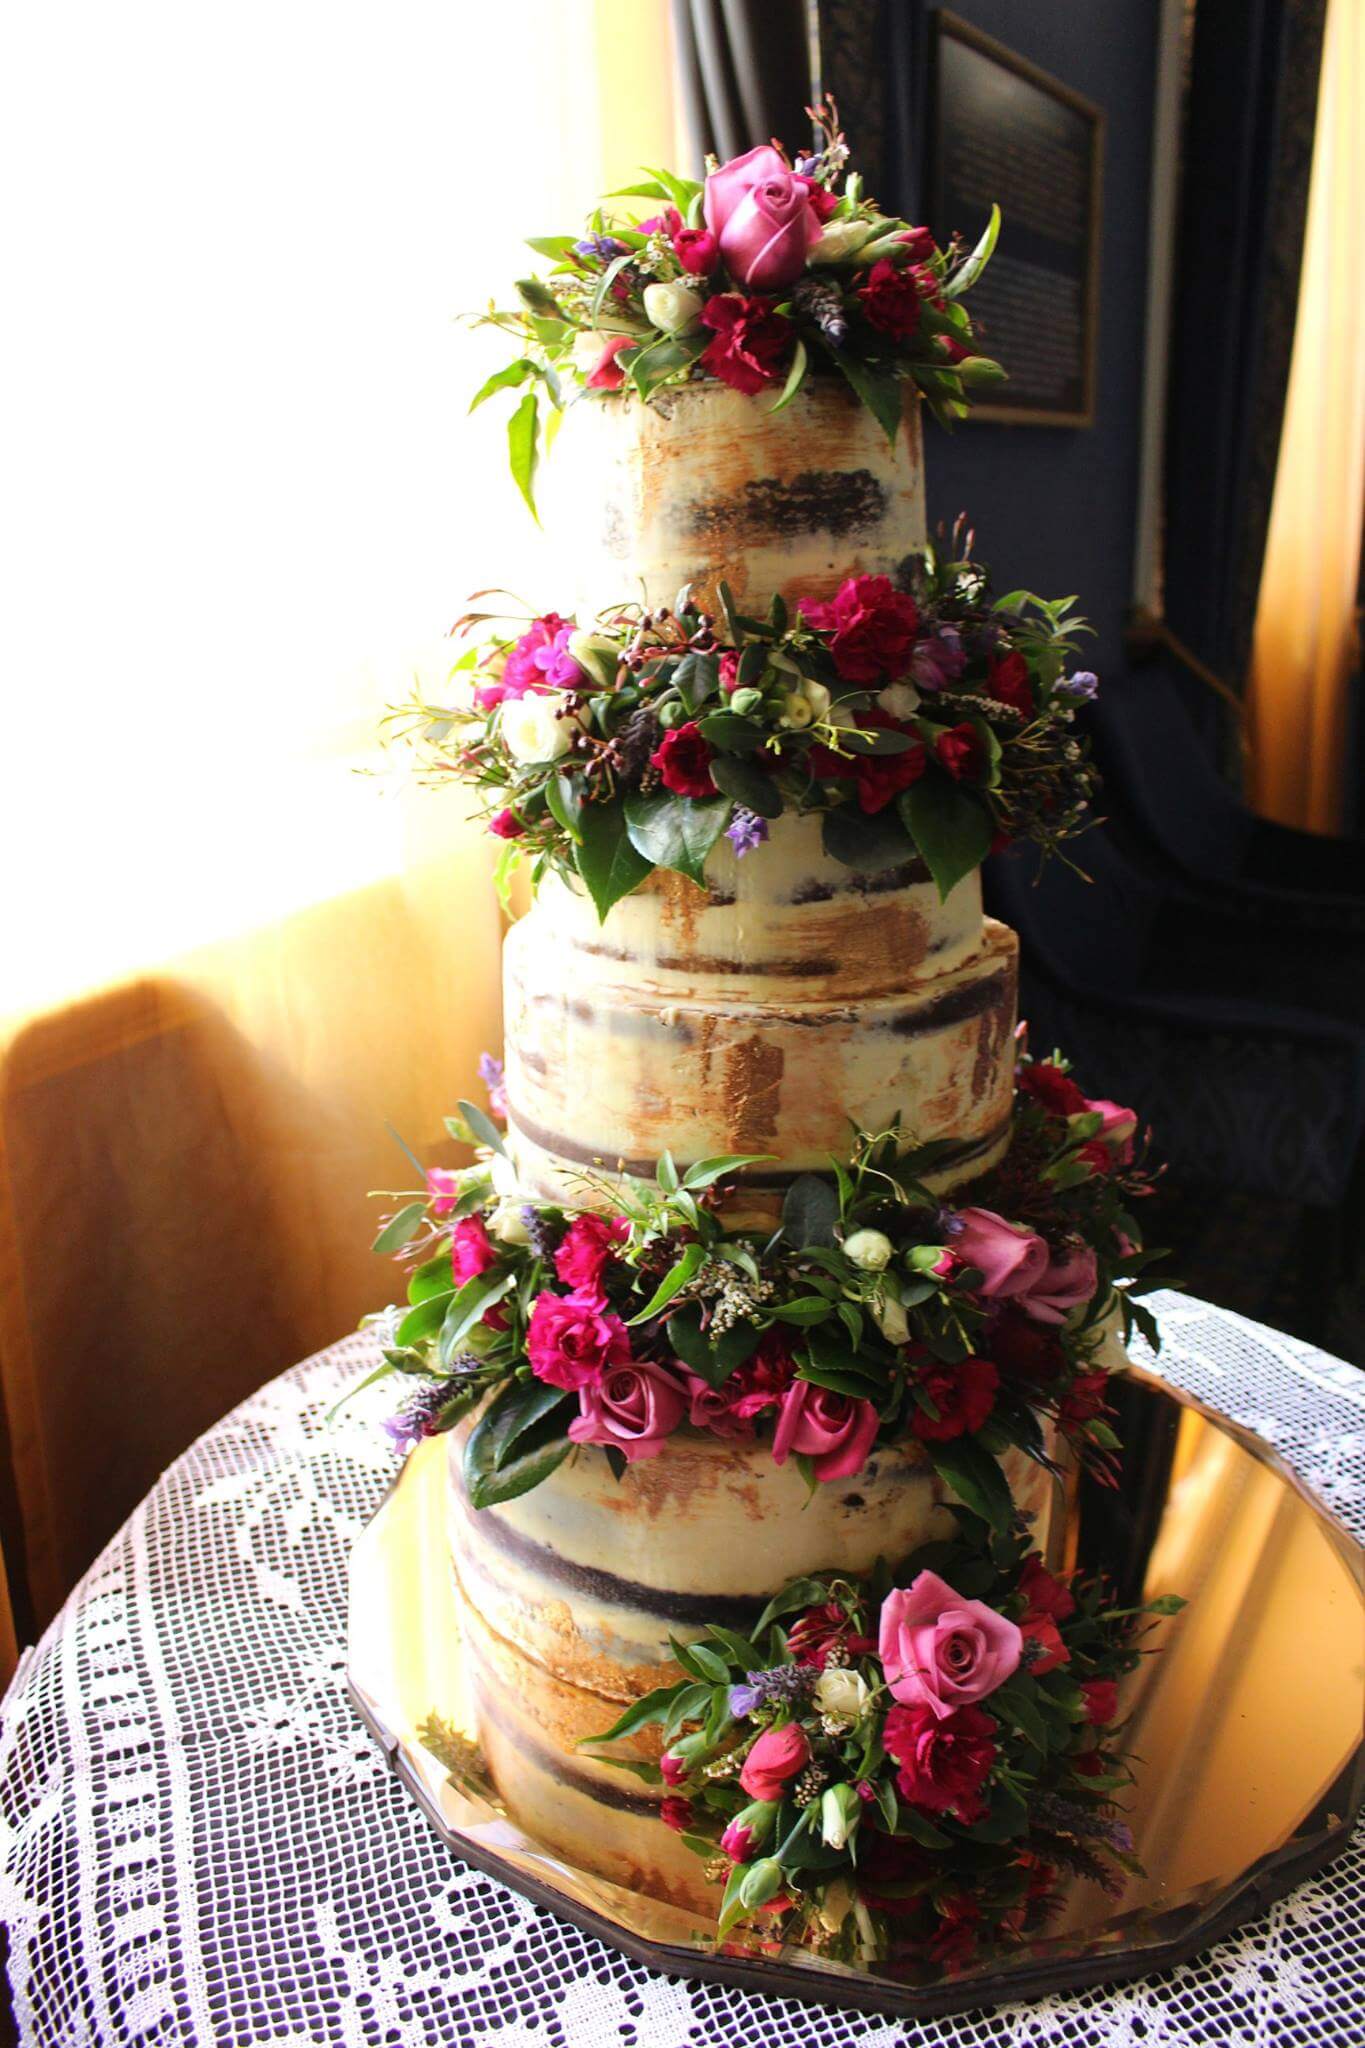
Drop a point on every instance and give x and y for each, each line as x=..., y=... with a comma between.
x=1305, y=646
x=241, y=503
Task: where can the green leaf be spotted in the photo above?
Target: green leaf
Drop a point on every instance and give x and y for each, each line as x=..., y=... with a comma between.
x=653, y=1707
x=951, y=829
x=605, y=283
x=804, y=1310
x=482, y=1125
x=505, y=379
x=493, y=1468
x=676, y=832
x=868, y=845
x=537, y=298
x=731, y=731
x=523, y=434
x=850, y=1382
x=976, y=1479
x=400, y=1229
x=661, y=360
x=747, y=785
x=799, y=1593
x=695, y=678
x=674, y=1280
x=432, y=1277
x=686, y=1337
x=468, y=1308
x=810, y=1211
x=923, y=1831
x=565, y=804
x=556, y=247
x=796, y=377
x=965, y=276
x=424, y=1320
x=707, y=1171
x=607, y=861
x=881, y=391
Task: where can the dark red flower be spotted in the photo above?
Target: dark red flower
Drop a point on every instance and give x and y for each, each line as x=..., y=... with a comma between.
x=697, y=250
x=815, y=1633
x=506, y=825
x=964, y=1396
x=953, y=1942
x=1047, y=1084
x=752, y=341
x=822, y=201
x=948, y=345
x=920, y=243
x=683, y=760
x=587, y=1248
x=1097, y=1156
x=1045, y=1595
x=1101, y=1701
x=1084, y=1399
x=1044, y=1649
x=879, y=777
x=1090, y=1763
x=1026, y=1348
x=729, y=671
x=872, y=627
x=890, y=300
x=961, y=752
x=1008, y=681
x=676, y=1814
x=764, y=1378
x=944, y=1761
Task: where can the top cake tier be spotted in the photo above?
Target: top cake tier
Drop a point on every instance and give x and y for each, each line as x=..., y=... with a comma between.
x=705, y=484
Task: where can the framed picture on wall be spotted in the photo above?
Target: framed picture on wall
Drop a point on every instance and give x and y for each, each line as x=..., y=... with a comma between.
x=1000, y=129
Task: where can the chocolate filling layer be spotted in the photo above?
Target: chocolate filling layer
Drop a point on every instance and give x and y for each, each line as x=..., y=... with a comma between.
x=963, y=1151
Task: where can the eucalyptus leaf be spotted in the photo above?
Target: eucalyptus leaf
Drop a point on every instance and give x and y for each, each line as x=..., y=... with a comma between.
x=400, y=1229
x=810, y=1212
x=482, y=1125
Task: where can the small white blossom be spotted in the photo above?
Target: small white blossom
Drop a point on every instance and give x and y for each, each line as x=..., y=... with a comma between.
x=902, y=700
x=870, y=1249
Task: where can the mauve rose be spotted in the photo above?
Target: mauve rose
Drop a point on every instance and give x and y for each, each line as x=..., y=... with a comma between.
x=832, y=1430
x=963, y=1396
x=471, y=1250
x=632, y=1406
x=587, y=1248
x=777, y=1756
x=572, y=1339
x=1009, y=683
x=1044, y=1593
x=752, y=342
x=1047, y=1084
x=713, y=1409
x=941, y=1649
x=761, y=215
x=872, y=627
x=683, y=760
x=1009, y=1258
x=1101, y=1701
x=944, y=1763
x=1068, y=1279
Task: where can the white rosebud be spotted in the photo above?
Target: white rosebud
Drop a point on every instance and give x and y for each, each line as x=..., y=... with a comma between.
x=537, y=727
x=839, y=1815
x=597, y=656
x=870, y=1249
x=673, y=308
x=891, y=1319
x=506, y=1223
x=797, y=711
x=841, y=1692
x=900, y=699
x=840, y=239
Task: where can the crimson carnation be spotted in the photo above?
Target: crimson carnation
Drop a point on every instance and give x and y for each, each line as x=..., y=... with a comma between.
x=1057, y=1092
x=964, y=1396
x=683, y=760
x=1021, y=1346
x=819, y=1630
x=752, y=342
x=572, y=1339
x=879, y=777
x=961, y=752
x=890, y=300
x=1101, y=1701
x=506, y=825
x=1044, y=1593
x=587, y=1248
x=762, y=1381
x=945, y=1761
x=872, y=627
x=1008, y=681
x=1084, y=1399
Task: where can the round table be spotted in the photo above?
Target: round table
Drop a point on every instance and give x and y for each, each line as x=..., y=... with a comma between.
x=200, y=1844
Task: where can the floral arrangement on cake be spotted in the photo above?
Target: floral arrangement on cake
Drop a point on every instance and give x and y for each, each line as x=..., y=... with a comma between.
x=904, y=1767
x=770, y=271
x=935, y=722
x=874, y=1312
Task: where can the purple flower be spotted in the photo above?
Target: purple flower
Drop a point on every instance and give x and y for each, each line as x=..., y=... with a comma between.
x=603, y=247
x=743, y=1700
x=786, y=1685
x=556, y=663
x=746, y=830
x=418, y=1417
x=490, y=1073
x=938, y=660
x=1082, y=686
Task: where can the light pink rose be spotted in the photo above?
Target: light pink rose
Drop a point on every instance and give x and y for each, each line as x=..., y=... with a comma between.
x=1117, y=1129
x=632, y=1406
x=1070, y=1278
x=831, y=1429
x=942, y=1651
x=1010, y=1257
x=762, y=217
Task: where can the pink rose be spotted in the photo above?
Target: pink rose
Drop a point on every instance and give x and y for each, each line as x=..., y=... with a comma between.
x=777, y=1756
x=697, y=250
x=1117, y=1130
x=943, y=1650
x=587, y=1249
x=443, y=1189
x=713, y=1409
x=632, y=1406
x=833, y=1430
x=607, y=374
x=762, y=218
x=1011, y=1258
x=571, y=1340
x=471, y=1251
x=1069, y=1279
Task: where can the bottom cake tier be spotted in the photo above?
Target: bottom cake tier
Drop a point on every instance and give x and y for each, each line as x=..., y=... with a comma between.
x=571, y=1593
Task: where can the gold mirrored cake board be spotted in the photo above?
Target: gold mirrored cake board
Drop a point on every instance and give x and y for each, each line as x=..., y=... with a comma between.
x=1250, y=1723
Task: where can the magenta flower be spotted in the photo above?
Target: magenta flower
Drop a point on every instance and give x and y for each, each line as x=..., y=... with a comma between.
x=572, y=1339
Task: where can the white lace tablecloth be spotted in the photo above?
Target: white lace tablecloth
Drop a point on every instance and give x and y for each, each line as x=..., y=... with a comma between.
x=200, y=1845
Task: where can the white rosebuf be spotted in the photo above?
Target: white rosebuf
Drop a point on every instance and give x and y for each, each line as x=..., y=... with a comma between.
x=840, y=239
x=841, y=1693
x=840, y=1812
x=870, y=1249
x=537, y=727
x=673, y=308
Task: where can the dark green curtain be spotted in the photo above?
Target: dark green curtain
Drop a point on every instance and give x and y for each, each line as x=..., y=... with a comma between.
x=745, y=68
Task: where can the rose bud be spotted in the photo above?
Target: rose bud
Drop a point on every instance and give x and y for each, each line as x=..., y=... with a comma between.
x=840, y=1812
x=841, y=239
x=673, y=308
x=746, y=700
x=762, y=1881
x=870, y=1249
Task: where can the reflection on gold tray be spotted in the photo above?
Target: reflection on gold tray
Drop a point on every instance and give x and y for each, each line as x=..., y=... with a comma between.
x=1250, y=1724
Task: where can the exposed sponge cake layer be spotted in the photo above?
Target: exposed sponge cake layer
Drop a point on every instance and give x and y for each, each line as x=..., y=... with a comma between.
x=705, y=484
